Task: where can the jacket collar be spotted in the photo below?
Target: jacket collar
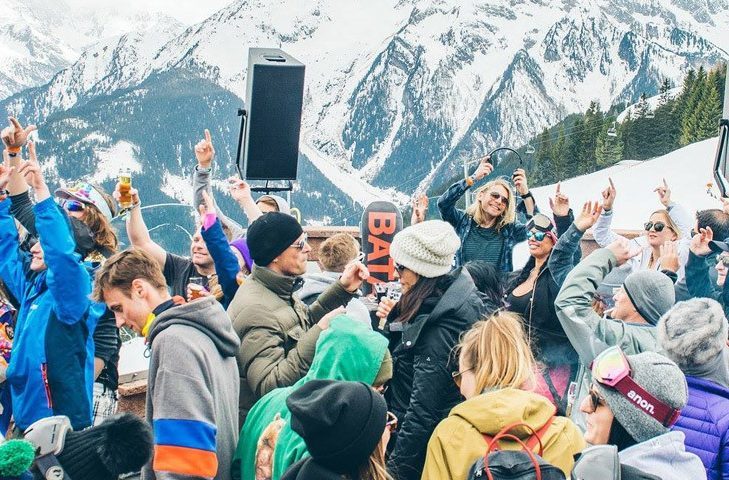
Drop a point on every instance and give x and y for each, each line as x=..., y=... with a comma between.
x=282, y=285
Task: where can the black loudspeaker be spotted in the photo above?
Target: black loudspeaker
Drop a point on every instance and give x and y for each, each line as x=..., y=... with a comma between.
x=274, y=99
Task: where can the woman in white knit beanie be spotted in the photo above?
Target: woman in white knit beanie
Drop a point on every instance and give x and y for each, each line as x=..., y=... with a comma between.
x=437, y=305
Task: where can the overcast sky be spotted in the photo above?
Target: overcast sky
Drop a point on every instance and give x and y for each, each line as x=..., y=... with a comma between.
x=186, y=11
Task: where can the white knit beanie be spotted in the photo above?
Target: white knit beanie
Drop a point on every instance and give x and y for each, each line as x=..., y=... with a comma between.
x=427, y=248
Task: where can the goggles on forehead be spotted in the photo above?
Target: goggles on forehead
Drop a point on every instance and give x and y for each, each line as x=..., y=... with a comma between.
x=540, y=222
x=723, y=259
x=611, y=369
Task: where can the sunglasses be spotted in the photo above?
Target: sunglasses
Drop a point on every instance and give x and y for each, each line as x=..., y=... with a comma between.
x=723, y=259
x=595, y=399
x=301, y=243
x=497, y=196
x=538, y=236
x=657, y=226
x=458, y=376
x=612, y=369
x=391, y=422
x=72, y=205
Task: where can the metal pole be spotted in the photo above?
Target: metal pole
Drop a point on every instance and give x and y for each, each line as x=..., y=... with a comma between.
x=465, y=175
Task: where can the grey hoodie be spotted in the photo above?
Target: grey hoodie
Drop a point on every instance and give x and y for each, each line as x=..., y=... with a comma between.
x=192, y=392
x=316, y=283
x=666, y=457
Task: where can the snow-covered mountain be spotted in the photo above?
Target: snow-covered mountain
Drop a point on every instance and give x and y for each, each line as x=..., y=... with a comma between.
x=43, y=37
x=398, y=92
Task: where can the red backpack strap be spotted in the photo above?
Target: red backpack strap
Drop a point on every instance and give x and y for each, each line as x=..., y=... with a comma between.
x=537, y=437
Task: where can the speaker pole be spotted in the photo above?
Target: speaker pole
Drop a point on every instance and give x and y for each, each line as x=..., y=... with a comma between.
x=241, y=138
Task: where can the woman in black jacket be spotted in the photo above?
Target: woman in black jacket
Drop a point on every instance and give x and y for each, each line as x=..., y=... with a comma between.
x=533, y=292
x=437, y=305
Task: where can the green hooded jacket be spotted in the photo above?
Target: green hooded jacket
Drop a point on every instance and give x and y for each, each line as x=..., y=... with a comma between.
x=347, y=350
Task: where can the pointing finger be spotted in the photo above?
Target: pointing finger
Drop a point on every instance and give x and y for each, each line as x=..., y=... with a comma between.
x=30, y=128
x=207, y=136
x=31, y=152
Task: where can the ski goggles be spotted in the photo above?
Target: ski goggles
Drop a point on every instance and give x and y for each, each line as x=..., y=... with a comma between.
x=612, y=369
x=85, y=193
x=71, y=205
x=656, y=226
x=541, y=223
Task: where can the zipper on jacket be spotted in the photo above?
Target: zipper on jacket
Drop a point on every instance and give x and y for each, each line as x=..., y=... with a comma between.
x=46, y=385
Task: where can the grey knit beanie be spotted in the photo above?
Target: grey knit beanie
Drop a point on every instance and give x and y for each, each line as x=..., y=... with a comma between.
x=660, y=377
x=426, y=248
x=693, y=332
x=651, y=292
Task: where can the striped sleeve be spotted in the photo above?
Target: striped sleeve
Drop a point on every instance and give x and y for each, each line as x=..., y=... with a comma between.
x=185, y=447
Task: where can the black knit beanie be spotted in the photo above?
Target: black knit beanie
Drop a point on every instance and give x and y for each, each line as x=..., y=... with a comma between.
x=120, y=444
x=270, y=235
x=340, y=422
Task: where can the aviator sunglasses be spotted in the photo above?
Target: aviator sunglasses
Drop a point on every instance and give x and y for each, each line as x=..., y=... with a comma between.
x=657, y=226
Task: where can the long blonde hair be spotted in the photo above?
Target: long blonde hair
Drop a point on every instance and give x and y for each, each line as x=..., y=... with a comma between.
x=374, y=469
x=505, y=218
x=498, y=351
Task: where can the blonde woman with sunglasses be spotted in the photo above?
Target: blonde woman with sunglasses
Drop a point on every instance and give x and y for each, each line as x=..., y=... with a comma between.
x=489, y=229
x=496, y=375
x=665, y=243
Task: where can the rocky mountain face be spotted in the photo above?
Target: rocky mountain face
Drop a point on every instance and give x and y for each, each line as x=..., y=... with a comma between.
x=398, y=92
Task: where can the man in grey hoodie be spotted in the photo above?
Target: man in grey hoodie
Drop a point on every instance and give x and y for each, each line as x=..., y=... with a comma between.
x=644, y=297
x=192, y=387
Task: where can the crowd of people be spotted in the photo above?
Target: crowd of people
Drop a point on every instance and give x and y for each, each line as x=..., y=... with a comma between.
x=615, y=365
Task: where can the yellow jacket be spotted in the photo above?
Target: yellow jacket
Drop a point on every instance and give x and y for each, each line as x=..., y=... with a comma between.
x=457, y=441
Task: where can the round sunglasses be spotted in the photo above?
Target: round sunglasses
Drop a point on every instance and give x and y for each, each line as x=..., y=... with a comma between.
x=656, y=226
x=538, y=236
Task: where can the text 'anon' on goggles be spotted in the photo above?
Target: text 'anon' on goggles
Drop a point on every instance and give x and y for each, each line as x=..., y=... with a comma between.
x=611, y=369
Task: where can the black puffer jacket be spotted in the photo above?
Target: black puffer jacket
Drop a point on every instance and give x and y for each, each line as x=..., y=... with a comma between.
x=422, y=391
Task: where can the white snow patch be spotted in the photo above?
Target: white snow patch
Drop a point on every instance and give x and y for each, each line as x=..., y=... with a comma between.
x=113, y=159
x=177, y=187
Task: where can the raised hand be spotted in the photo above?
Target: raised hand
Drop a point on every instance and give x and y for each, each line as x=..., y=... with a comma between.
x=608, y=196
x=204, y=151
x=624, y=250
x=664, y=193
x=132, y=191
x=520, y=182
x=700, y=242
x=15, y=136
x=484, y=168
x=5, y=171
x=353, y=276
x=420, y=209
x=588, y=216
x=239, y=189
x=669, y=257
x=560, y=205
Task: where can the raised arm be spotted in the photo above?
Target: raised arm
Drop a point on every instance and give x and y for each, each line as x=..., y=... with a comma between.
x=68, y=280
x=241, y=193
x=205, y=154
x=447, y=201
x=15, y=137
x=137, y=230
x=226, y=263
x=562, y=260
x=680, y=216
x=12, y=270
x=522, y=188
x=420, y=209
x=587, y=331
x=602, y=233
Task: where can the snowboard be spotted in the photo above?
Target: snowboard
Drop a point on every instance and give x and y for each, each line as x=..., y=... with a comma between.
x=381, y=220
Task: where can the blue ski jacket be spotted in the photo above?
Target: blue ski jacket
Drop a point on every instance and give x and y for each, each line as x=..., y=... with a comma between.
x=225, y=261
x=51, y=371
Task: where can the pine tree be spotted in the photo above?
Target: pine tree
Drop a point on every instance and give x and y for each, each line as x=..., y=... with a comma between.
x=689, y=115
x=576, y=149
x=663, y=97
x=708, y=113
x=543, y=159
x=559, y=155
x=609, y=149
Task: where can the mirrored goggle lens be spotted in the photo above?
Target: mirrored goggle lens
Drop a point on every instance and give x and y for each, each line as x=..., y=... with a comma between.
x=610, y=366
x=73, y=205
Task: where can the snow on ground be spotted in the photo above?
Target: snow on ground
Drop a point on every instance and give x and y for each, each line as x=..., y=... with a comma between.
x=687, y=171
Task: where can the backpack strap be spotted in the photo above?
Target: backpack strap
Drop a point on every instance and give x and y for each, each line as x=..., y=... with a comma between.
x=534, y=440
